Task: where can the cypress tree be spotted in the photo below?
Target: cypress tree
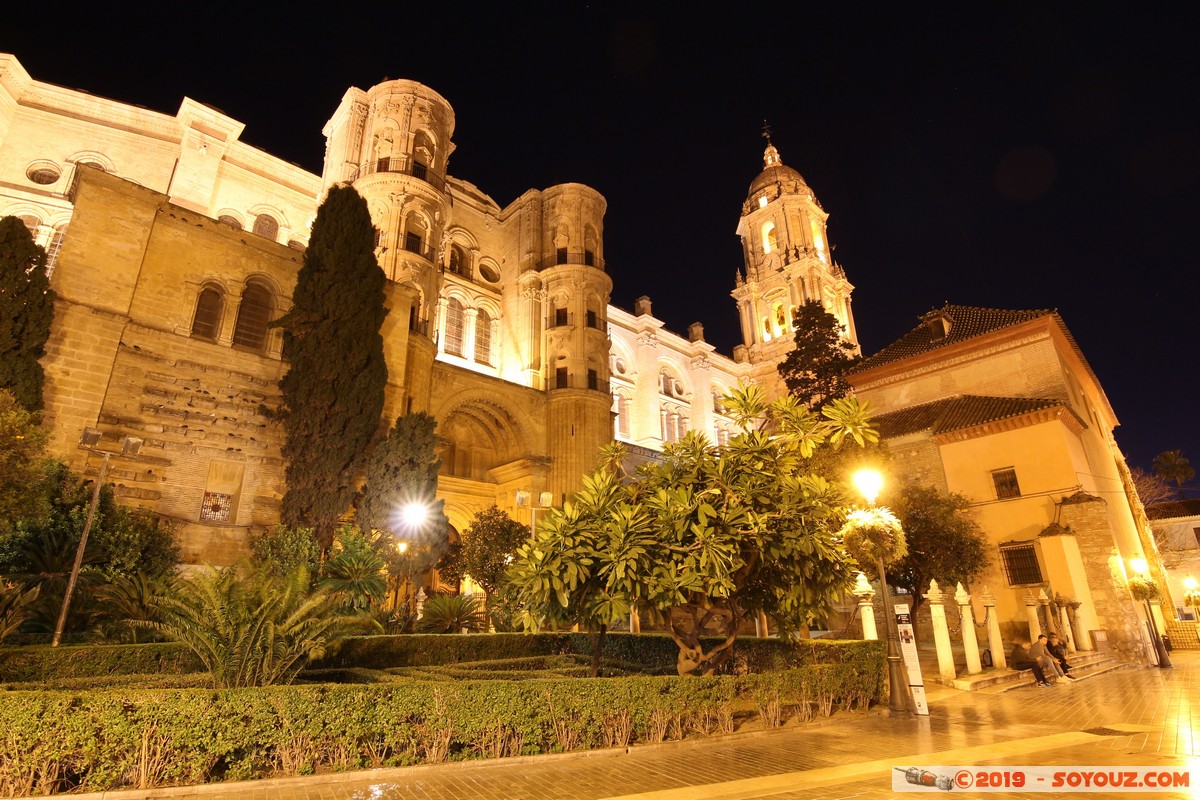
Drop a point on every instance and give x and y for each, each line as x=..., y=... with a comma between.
x=815, y=371
x=333, y=392
x=26, y=311
x=403, y=470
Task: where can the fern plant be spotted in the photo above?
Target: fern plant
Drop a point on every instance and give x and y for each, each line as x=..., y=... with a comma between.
x=256, y=631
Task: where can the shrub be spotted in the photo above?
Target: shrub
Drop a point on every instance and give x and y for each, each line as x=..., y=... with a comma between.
x=253, y=632
x=131, y=737
x=452, y=613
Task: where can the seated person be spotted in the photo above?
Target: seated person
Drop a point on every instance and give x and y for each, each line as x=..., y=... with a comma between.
x=1020, y=660
x=1048, y=663
x=1057, y=649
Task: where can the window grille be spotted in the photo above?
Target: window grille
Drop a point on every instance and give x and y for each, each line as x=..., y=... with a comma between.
x=207, y=321
x=55, y=246
x=454, y=327
x=483, y=338
x=412, y=242
x=1020, y=564
x=231, y=221
x=266, y=227
x=216, y=507
x=560, y=378
x=254, y=312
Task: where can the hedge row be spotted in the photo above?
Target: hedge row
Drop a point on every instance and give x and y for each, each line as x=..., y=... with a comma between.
x=113, y=739
x=652, y=653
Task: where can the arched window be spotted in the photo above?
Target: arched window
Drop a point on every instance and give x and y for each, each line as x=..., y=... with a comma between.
x=207, y=321
x=231, y=221
x=32, y=224
x=254, y=312
x=769, y=242
x=483, y=337
x=454, y=327
x=266, y=226
x=458, y=261
x=55, y=246
x=622, y=409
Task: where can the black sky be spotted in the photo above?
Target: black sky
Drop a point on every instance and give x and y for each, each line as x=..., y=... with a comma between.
x=1046, y=158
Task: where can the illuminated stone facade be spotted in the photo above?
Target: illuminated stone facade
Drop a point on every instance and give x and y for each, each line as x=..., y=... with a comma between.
x=184, y=243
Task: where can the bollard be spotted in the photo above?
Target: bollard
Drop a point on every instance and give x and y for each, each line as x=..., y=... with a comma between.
x=970, y=642
x=941, y=632
x=995, y=640
x=1031, y=613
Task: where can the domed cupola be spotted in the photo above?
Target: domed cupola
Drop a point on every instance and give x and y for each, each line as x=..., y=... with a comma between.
x=783, y=179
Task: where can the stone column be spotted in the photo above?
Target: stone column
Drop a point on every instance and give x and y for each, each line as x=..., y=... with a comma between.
x=970, y=643
x=1031, y=613
x=995, y=639
x=941, y=633
x=761, y=628
x=635, y=621
x=1064, y=621
x=866, y=606
x=1046, y=613
x=1082, y=641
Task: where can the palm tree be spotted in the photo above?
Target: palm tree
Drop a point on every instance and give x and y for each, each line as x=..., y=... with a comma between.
x=1171, y=465
x=451, y=613
x=256, y=631
x=129, y=598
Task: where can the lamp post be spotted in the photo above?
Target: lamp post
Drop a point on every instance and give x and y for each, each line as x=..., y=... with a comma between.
x=869, y=482
x=1160, y=649
x=88, y=442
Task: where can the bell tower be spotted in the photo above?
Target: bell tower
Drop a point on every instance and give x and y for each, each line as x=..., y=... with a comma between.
x=788, y=261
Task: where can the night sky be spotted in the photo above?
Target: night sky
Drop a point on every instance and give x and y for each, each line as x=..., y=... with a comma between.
x=1043, y=159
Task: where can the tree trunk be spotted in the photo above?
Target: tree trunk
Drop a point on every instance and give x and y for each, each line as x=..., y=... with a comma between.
x=597, y=648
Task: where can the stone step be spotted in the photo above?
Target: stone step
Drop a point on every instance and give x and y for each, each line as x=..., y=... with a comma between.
x=1083, y=665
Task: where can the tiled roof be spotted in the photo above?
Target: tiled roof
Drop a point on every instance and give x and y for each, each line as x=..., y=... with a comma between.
x=964, y=322
x=956, y=413
x=1173, y=509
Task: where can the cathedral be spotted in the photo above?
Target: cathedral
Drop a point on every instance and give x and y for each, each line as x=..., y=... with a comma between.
x=173, y=246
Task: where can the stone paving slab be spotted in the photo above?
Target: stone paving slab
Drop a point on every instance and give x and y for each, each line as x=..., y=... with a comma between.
x=1135, y=717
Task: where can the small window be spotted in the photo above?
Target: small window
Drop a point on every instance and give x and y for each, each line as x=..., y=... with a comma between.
x=43, y=174
x=619, y=366
x=266, y=226
x=32, y=224
x=231, y=221
x=560, y=317
x=1020, y=564
x=296, y=245
x=254, y=312
x=454, y=327
x=591, y=319
x=560, y=378
x=589, y=258
x=483, y=337
x=207, y=321
x=769, y=242
x=93, y=165
x=419, y=170
x=216, y=507
x=1196, y=533
x=593, y=379
x=1006, y=484
x=560, y=255
x=412, y=242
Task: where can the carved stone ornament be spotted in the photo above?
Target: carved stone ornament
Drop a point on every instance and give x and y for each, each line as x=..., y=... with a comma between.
x=647, y=339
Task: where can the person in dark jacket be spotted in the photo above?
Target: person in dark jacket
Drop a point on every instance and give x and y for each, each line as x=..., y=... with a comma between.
x=1020, y=660
x=1057, y=649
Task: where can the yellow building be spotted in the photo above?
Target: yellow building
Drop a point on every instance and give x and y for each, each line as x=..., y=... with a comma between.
x=1002, y=407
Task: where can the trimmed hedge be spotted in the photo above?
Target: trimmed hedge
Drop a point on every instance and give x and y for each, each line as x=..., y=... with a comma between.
x=42, y=662
x=653, y=653
x=120, y=738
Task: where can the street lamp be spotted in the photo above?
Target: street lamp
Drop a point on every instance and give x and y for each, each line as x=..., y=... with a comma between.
x=869, y=482
x=88, y=441
x=1142, y=569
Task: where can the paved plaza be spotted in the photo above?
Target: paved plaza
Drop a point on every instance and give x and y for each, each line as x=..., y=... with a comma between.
x=1137, y=717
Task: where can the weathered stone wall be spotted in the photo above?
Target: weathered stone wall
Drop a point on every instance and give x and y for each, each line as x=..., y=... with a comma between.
x=1088, y=519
